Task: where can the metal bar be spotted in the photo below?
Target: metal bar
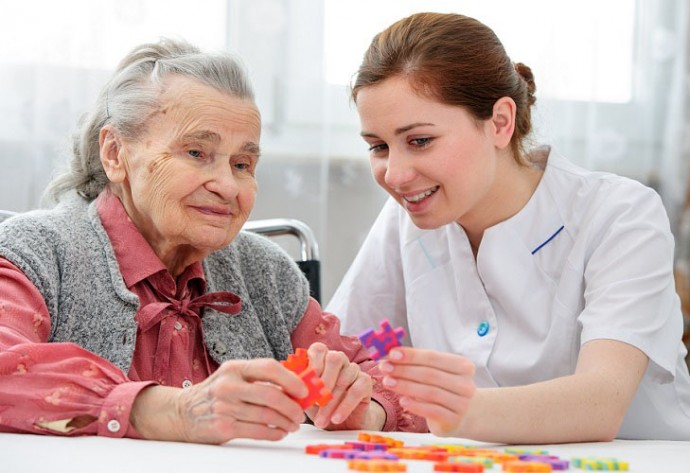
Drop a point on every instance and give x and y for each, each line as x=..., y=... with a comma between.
x=287, y=226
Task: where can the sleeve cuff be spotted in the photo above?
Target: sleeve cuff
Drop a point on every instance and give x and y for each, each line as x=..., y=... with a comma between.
x=114, y=417
x=397, y=418
x=390, y=409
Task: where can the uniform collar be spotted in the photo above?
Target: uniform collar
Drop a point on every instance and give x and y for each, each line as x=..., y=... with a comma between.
x=540, y=221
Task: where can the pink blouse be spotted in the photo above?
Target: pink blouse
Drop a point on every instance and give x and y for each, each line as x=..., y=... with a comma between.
x=60, y=388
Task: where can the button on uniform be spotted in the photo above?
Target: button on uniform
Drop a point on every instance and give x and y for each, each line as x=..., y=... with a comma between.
x=483, y=328
x=113, y=426
x=178, y=326
x=186, y=384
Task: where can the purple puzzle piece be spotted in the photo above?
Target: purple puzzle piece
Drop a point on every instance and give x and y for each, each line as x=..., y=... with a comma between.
x=333, y=453
x=370, y=455
x=555, y=462
x=382, y=341
x=366, y=446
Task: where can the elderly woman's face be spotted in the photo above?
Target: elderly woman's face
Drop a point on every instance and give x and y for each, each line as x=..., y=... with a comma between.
x=188, y=181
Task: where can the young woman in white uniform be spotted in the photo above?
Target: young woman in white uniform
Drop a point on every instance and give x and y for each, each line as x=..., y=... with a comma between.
x=539, y=296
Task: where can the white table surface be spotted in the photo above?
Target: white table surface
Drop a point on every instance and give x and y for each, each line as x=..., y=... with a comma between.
x=35, y=453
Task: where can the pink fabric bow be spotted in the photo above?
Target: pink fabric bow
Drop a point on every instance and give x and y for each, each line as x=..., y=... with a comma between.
x=156, y=312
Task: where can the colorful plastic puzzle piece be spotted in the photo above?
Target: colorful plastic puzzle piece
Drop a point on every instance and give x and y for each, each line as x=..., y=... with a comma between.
x=315, y=449
x=376, y=465
x=495, y=455
x=536, y=456
x=375, y=438
x=334, y=453
x=455, y=449
x=555, y=462
x=381, y=342
x=524, y=466
x=370, y=455
x=367, y=446
x=297, y=362
x=459, y=466
x=420, y=453
x=318, y=394
x=599, y=463
x=525, y=451
x=487, y=462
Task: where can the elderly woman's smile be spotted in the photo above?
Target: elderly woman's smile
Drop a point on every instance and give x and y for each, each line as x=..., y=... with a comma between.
x=213, y=211
x=188, y=181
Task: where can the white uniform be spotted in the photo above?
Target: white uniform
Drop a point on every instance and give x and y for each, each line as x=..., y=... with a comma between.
x=588, y=257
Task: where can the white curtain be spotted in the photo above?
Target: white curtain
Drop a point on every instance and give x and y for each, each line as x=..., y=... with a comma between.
x=54, y=58
x=675, y=159
x=612, y=90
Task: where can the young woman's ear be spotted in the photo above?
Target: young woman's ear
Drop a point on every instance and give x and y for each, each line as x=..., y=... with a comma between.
x=503, y=122
x=112, y=154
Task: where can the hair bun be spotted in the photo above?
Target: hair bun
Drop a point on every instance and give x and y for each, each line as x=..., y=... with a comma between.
x=526, y=73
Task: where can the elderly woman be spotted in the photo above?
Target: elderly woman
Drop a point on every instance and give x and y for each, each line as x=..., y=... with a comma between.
x=136, y=307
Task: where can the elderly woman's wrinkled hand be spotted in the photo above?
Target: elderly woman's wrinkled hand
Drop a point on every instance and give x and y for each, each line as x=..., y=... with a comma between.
x=351, y=407
x=242, y=399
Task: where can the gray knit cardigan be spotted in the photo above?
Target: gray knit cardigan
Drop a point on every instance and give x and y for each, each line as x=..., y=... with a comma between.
x=66, y=253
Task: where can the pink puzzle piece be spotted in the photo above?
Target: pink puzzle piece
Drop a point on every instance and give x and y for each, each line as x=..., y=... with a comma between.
x=381, y=342
x=318, y=394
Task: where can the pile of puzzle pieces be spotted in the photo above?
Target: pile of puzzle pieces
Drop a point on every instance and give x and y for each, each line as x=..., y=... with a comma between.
x=373, y=452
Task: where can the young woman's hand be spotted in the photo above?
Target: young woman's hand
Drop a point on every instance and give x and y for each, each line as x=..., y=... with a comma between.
x=437, y=386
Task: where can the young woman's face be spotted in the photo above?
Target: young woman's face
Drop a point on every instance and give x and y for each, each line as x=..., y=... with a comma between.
x=436, y=160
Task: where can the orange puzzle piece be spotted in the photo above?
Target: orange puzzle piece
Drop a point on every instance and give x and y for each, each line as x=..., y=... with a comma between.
x=375, y=438
x=459, y=467
x=298, y=363
x=376, y=465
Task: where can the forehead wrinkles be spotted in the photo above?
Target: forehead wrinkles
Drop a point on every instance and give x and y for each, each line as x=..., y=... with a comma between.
x=210, y=120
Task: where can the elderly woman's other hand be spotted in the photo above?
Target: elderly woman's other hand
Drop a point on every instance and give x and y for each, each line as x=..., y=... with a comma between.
x=351, y=407
x=242, y=399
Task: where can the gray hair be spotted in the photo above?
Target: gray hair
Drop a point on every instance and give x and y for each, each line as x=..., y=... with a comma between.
x=131, y=95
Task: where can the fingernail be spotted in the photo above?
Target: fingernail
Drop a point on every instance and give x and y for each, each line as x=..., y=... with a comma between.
x=395, y=355
x=384, y=366
x=337, y=419
x=388, y=381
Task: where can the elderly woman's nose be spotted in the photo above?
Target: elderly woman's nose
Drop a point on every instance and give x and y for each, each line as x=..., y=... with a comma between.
x=223, y=182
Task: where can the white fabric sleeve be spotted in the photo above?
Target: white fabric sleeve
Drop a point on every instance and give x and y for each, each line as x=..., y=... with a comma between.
x=629, y=285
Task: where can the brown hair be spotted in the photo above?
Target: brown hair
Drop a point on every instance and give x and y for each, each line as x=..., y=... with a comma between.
x=456, y=60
